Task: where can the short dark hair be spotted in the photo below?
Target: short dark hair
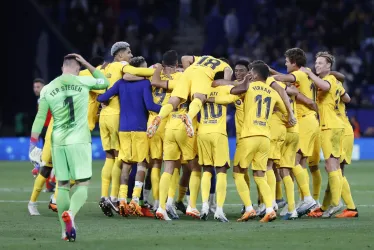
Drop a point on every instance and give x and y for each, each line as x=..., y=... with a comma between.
x=170, y=58
x=245, y=63
x=261, y=69
x=137, y=61
x=256, y=62
x=96, y=61
x=224, y=59
x=39, y=80
x=68, y=58
x=296, y=55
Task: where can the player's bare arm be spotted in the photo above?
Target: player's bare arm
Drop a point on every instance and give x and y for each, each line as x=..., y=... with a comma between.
x=187, y=61
x=274, y=72
x=321, y=84
x=306, y=101
x=242, y=88
x=227, y=73
x=285, y=78
x=156, y=79
x=339, y=76
x=283, y=94
x=345, y=98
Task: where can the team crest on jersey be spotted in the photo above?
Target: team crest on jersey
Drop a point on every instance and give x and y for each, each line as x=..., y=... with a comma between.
x=238, y=102
x=108, y=75
x=124, y=62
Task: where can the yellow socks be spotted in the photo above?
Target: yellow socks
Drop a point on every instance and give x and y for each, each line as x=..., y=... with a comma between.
x=182, y=193
x=278, y=190
x=306, y=176
x=326, y=199
x=290, y=192
x=165, y=110
x=174, y=183
x=155, y=180
x=221, y=187
x=106, y=175
x=272, y=182
x=194, y=108
x=264, y=190
x=194, y=187
x=335, y=187
x=346, y=194
x=38, y=185
x=317, y=182
x=123, y=188
x=116, y=176
x=301, y=180
x=242, y=188
x=164, y=187
x=205, y=186
x=246, y=178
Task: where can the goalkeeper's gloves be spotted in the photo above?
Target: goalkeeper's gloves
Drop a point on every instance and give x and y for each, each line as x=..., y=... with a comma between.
x=35, y=153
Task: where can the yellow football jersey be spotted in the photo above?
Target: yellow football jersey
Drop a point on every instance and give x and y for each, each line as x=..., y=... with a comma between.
x=174, y=120
x=213, y=115
x=328, y=104
x=93, y=104
x=259, y=103
x=209, y=64
x=161, y=96
x=348, y=130
x=113, y=71
x=306, y=87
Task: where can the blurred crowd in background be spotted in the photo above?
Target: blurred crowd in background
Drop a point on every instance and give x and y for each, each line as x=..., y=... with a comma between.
x=237, y=29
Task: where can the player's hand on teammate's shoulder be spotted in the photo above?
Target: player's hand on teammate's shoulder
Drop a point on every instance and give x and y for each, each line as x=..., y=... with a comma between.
x=305, y=70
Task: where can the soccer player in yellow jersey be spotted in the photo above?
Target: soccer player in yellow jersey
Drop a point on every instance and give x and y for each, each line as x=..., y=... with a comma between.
x=213, y=148
x=254, y=144
x=331, y=125
x=195, y=83
x=109, y=122
x=346, y=156
x=308, y=123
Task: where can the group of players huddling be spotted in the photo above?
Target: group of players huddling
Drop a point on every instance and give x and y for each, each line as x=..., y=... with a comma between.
x=163, y=114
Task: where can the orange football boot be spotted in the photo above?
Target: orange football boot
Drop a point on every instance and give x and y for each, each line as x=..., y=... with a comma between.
x=247, y=215
x=316, y=213
x=348, y=213
x=124, y=210
x=269, y=217
x=147, y=212
x=53, y=207
x=135, y=208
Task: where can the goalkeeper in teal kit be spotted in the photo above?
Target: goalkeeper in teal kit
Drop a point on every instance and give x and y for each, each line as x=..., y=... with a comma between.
x=67, y=98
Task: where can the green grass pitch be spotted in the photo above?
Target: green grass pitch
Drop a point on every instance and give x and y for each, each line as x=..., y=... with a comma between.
x=18, y=230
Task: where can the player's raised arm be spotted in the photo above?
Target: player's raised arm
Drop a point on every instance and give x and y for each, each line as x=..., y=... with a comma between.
x=148, y=98
x=321, y=84
x=286, y=100
x=156, y=78
x=187, y=61
x=224, y=99
x=114, y=90
x=227, y=73
x=242, y=88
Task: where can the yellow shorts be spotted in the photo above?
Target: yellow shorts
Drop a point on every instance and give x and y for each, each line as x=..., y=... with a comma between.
x=308, y=128
x=156, y=143
x=213, y=149
x=192, y=81
x=289, y=150
x=109, y=126
x=177, y=145
x=47, y=147
x=134, y=147
x=331, y=141
x=278, y=136
x=347, y=148
x=253, y=149
x=315, y=158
